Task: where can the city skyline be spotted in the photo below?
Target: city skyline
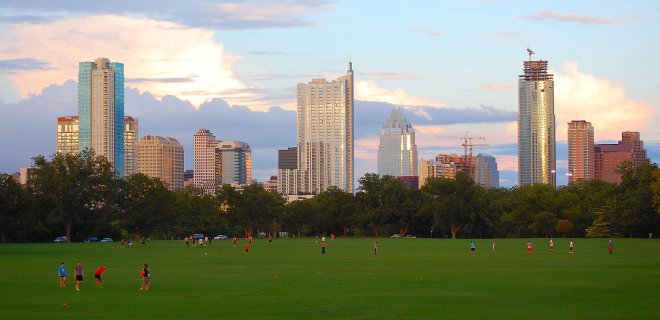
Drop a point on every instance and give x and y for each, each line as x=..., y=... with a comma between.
x=451, y=82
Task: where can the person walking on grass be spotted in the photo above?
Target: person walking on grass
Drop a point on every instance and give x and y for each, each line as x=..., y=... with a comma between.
x=79, y=275
x=570, y=247
x=146, y=276
x=376, y=248
x=97, y=276
x=247, y=247
x=233, y=240
x=552, y=246
x=473, y=246
x=610, y=247
x=530, y=247
x=61, y=271
x=323, y=246
x=494, y=245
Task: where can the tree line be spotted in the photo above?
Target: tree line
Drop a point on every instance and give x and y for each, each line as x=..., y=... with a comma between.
x=80, y=196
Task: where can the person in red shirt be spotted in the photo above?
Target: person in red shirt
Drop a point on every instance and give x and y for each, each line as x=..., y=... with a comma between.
x=247, y=247
x=322, y=247
x=98, y=274
x=234, y=241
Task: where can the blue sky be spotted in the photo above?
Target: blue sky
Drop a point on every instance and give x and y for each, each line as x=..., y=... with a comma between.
x=453, y=65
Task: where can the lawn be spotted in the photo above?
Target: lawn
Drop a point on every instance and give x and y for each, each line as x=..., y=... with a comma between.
x=290, y=279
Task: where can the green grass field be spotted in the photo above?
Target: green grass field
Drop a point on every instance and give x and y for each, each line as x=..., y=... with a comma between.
x=290, y=279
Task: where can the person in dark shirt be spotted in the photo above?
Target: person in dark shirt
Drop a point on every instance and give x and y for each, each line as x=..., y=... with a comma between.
x=146, y=275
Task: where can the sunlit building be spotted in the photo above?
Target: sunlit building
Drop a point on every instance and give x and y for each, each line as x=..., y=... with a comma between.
x=397, y=151
x=67, y=135
x=581, y=157
x=162, y=158
x=101, y=110
x=325, y=138
x=536, y=125
x=219, y=162
x=608, y=157
x=130, y=145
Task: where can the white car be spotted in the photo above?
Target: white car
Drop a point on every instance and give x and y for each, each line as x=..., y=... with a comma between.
x=396, y=235
x=220, y=237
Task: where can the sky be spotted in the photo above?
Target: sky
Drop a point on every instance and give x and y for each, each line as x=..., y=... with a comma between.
x=232, y=67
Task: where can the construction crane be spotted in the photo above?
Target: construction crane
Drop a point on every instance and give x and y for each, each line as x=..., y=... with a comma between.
x=530, y=53
x=467, y=143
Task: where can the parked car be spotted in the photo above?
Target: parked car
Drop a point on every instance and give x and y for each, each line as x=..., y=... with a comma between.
x=106, y=240
x=199, y=236
x=92, y=239
x=410, y=236
x=220, y=237
x=396, y=235
x=60, y=239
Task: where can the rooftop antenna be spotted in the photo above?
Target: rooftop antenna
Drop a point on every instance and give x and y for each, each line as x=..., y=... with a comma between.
x=350, y=64
x=530, y=53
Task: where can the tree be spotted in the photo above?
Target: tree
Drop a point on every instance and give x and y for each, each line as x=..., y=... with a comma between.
x=73, y=188
x=146, y=206
x=13, y=205
x=334, y=210
x=544, y=223
x=252, y=207
x=564, y=227
x=380, y=199
x=196, y=211
x=453, y=202
x=525, y=202
x=297, y=214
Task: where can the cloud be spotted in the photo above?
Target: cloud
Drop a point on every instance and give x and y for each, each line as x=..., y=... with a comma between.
x=151, y=64
x=583, y=96
x=426, y=32
x=497, y=86
x=24, y=64
x=549, y=15
x=370, y=91
x=237, y=15
x=282, y=53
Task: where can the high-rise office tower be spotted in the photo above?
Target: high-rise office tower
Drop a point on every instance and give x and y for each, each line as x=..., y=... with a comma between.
x=536, y=125
x=161, y=157
x=101, y=110
x=67, y=135
x=130, y=145
x=581, y=157
x=325, y=134
x=397, y=151
x=485, y=171
x=219, y=162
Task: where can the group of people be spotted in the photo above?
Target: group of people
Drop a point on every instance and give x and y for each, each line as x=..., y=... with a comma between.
x=195, y=241
x=98, y=276
x=530, y=246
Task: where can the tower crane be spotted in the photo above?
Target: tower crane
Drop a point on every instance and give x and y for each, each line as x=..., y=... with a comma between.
x=468, y=145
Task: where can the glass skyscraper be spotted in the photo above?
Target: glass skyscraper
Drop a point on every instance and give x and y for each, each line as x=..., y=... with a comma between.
x=485, y=171
x=101, y=110
x=536, y=125
x=397, y=151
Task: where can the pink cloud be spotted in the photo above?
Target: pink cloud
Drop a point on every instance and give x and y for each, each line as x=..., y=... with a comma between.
x=547, y=14
x=429, y=33
x=583, y=96
x=497, y=86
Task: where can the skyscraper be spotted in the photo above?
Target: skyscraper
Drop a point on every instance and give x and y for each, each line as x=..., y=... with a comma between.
x=219, y=162
x=130, y=145
x=161, y=157
x=67, y=135
x=101, y=110
x=325, y=134
x=485, y=171
x=397, y=151
x=536, y=124
x=581, y=157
